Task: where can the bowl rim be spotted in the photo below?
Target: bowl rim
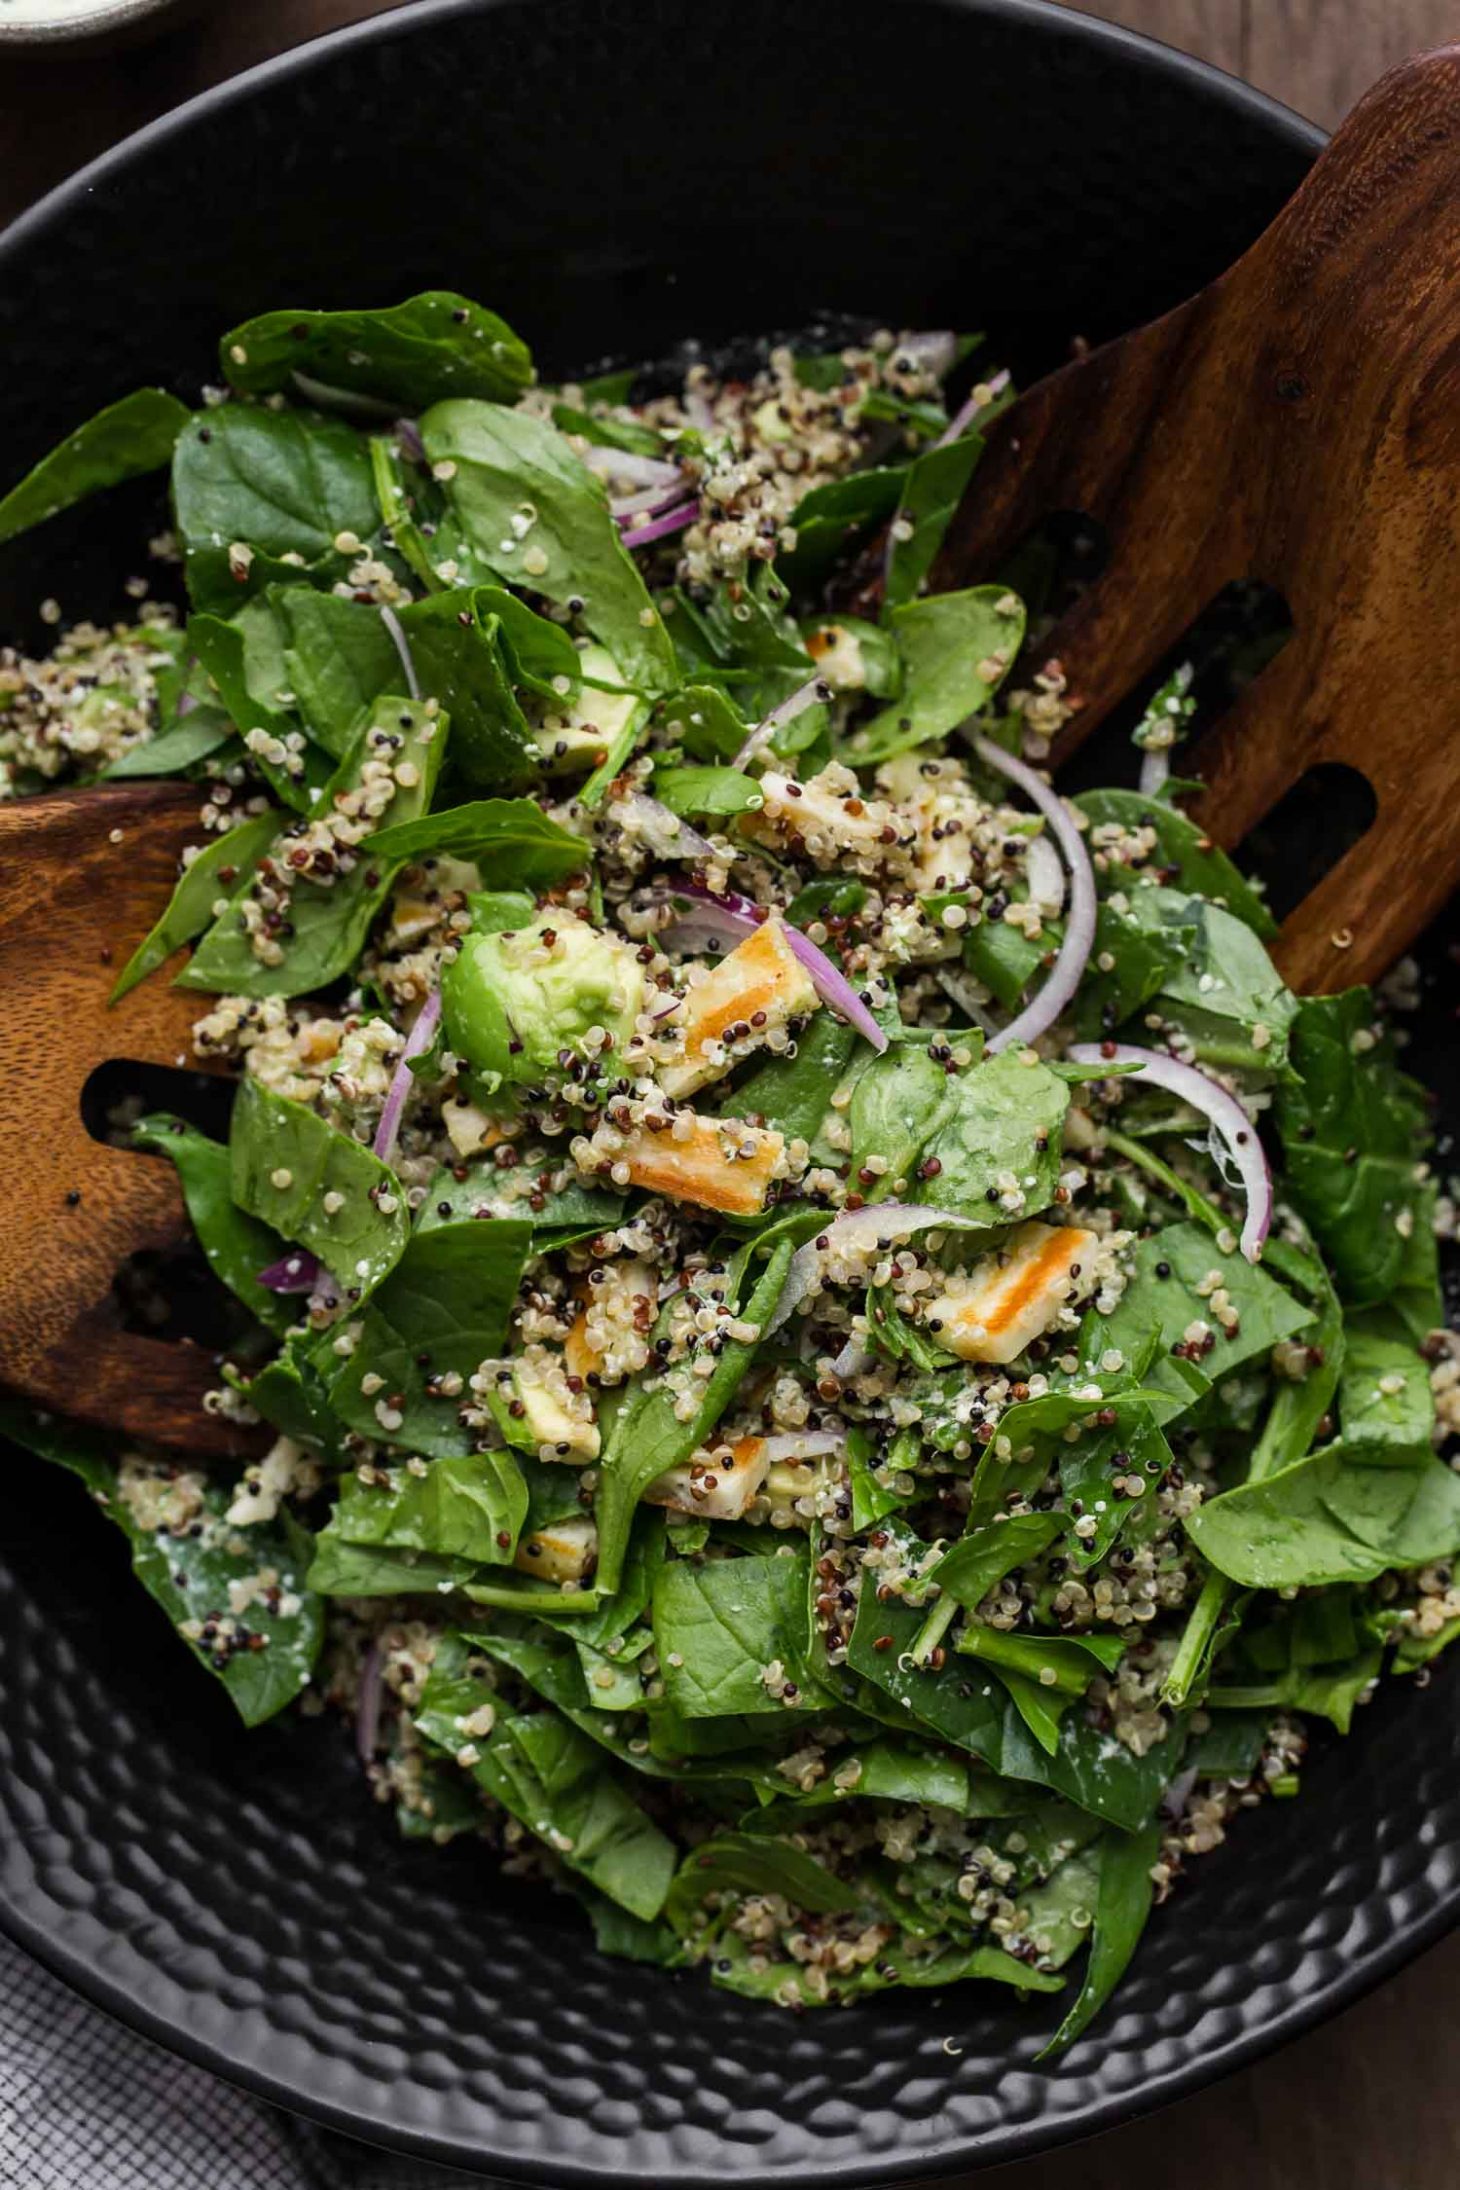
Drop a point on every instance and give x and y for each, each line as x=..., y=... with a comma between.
x=127, y=2002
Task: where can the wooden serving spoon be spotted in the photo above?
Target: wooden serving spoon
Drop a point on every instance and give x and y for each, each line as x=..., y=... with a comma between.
x=1298, y=422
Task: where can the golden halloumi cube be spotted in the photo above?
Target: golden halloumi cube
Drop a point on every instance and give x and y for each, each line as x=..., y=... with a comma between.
x=717, y=1163
x=760, y=985
x=563, y=1551
x=715, y=1487
x=610, y=1338
x=1007, y=1300
x=554, y=1422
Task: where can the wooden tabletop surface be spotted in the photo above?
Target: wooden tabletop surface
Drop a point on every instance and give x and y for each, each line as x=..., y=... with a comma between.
x=1372, y=2101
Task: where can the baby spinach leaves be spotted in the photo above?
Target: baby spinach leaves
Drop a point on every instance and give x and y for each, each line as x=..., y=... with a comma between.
x=720, y=1625
x=523, y=848
x=197, y=1565
x=1123, y=1902
x=326, y=924
x=317, y=1187
x=956, y=649
x=408, y=355
x=442, y=1310
x=285, y=485
x=223, y=866
x=1340, y=1515
x=521, y=507
x=468, y=1506
x=1004, y=1123
x=237, y=1245
x=128, y=438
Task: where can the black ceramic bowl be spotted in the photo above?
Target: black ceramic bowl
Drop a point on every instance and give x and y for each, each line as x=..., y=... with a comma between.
x=616, y=179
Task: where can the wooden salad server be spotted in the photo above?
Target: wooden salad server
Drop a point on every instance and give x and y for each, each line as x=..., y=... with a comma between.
x=83, y=875
x=1297, y=422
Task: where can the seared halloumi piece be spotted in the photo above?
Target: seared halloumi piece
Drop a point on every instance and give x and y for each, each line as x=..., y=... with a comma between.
x=760, y=985
x=717, y=1163
x=828, y=815
x=1007, y=1300
x=936, y=798
x=469, y=1130
x=582, y=733
x=715, y=1486
x=563, y=1551
x=610, y=1339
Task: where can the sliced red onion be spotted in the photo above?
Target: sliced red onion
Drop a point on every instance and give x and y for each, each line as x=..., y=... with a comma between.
x=1046, y=875
x=659, y=528
x=367, y=1702
x=1155, y=768
x=982, y=397
x=1173, y=1802
x=297, y=1272
x=810, y=694
x=864, y=1229
x=419, y=1038
x=349, y=402
x=1234, y=1132
x=408, y=434
x=932, y=352
x=853, y=1360
x=394, y=626
x=649, y=501
x=1074, y=952
x=669, y=833
x=729, y=920
x=640, y=471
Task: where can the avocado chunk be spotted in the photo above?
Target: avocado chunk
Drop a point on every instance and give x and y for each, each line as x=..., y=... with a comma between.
x=514, y=1001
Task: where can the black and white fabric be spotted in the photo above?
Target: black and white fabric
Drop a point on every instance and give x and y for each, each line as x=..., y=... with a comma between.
x=87, y=2105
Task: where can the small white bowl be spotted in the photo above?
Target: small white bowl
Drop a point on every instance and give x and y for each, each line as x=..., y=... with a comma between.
x=67, y=22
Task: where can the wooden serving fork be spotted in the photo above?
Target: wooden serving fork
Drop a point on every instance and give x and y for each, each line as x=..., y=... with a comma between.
x=1297, y=422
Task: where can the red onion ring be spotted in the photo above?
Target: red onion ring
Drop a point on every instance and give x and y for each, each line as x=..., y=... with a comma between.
x=642, y=471
x=674, y=838
x=982, y=396
x=1229, y=1122
x=659, y=528
x=729, y=920
x=297, y=1272
x=1043, y=1009
x=394, y=626
x=805, y=695
x=419, y=1038
x=408, y=434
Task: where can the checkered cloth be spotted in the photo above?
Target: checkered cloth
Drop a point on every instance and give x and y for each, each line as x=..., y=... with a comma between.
x=86, y=2105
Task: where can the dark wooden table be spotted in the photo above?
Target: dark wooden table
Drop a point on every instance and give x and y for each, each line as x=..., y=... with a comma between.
x=1372, y=2101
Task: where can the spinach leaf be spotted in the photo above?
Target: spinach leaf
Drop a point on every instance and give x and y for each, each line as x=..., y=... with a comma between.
x=342, y=1569
x=460, y=660
x=195, y=1577
x=935, y=485
x=568, y=1212
x=1122, y=1904
x=470, y=1506
x=200, y=733
x=223, y=865
x=1384, y=1396
x=741, y=1863
x=237, y=1245
x=1201, y=870
x=647, y=1436
x=338, y=657
x=441, y=1312
x=434, y=345
x=540, y=654
x=1004, y=1118
x=523, y=849
x=1224, y=991
x=1139, y=946
x=898, y=1102
x=956, y=649
x=1336, y=1516
x=245, y=660
x=287, y=1392
x=833, y=520
x=129, y=437
x=287, y=1165
x=969, y=1571
x=283, y=483
x=717, y=1627
x=792, y=1093
x=716, y=792
x=554, y=1780
x=507, y=463
x=327, y=924
x=1353, y=1129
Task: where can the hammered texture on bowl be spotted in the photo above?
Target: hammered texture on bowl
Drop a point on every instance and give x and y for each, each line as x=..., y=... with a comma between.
x=709, y=167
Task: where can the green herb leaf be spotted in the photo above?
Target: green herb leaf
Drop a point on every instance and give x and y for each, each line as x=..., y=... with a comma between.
x=435, y=344
x=130, y=437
